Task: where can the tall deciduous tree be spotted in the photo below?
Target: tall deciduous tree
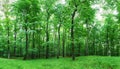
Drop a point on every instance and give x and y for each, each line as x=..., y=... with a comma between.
x=6, y=10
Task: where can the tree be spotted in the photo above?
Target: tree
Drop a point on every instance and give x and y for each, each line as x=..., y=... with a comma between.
x=7, y=20
x=48, y=5
x=27, y=9
x=72, y=31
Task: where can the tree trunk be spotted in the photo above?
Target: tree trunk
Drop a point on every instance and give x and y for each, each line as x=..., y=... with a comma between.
x=112, y=43
x=39, y=48
x=20, y=52
x=86, y=48
x=8, y=39
x=79, y=47
x=107, y=43
x=63, y=43
x=33, y=42
x=26, y=48
x=15, y=36
x=72, y=33
x=47, y=36
x=58, y=41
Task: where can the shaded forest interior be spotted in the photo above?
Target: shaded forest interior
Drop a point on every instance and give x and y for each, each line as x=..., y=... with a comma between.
x=59, y=28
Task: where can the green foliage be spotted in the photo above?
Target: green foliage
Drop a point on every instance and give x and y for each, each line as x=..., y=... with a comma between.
x=47, y=24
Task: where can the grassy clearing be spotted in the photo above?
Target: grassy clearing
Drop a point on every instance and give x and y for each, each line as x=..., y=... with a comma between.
x=89, y=62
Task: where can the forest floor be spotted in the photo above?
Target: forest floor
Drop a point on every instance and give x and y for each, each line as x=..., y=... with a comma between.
x=83, y=62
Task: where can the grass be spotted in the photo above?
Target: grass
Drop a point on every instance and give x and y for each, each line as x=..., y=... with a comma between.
x=88, y=62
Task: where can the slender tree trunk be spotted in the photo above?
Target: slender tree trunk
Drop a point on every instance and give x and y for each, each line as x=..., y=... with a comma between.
x=26, y=48
x=47, y=40
x=39, y=48
x=33, y=42
x=63, y=43
x=118, y=51
x=20, y=53
x=107, y=43
x=112, y=43
x=79, y=47
x=8, y=37
x=93, y=44
x=15, y=36
x=58, y=41
x=86, y=48
x=8, y=42
x=72, y=33
x=47, y=36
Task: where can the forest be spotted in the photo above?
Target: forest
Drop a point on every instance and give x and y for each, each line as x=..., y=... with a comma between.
x=60, y=30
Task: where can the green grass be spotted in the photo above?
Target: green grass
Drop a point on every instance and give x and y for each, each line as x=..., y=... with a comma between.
x=89, y=62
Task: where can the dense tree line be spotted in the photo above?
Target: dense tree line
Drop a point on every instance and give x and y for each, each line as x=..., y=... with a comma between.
x=52, y=28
